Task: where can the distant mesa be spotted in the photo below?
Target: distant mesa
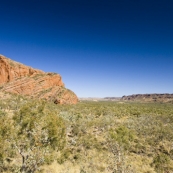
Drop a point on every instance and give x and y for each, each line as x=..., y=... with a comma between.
x=162, y=98
x=21, y=79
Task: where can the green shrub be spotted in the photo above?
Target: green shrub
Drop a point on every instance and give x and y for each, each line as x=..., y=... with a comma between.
x=161, y=163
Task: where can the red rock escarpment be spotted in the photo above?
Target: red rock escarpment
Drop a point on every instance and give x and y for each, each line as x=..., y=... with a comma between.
x=20, y=79
x=11, y=70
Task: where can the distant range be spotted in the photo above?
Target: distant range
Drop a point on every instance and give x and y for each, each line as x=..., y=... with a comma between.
x=159, y=98
x=99, y=99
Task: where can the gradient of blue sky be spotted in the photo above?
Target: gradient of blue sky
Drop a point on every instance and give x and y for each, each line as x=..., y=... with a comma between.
x=100, y=48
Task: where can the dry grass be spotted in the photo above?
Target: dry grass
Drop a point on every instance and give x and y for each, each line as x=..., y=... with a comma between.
x=142, y=130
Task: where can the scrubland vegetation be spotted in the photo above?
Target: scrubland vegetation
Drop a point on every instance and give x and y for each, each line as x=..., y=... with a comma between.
x=110, y=137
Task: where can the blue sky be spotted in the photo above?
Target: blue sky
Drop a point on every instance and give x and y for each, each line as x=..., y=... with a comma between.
x=100, y=48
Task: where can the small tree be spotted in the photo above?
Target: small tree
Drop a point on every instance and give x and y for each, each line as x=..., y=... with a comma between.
x=161, y=163
x=36, y=136
x=118, y=142
x=5, y=133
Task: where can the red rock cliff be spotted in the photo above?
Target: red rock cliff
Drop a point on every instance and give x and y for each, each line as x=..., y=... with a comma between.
x=20, y=79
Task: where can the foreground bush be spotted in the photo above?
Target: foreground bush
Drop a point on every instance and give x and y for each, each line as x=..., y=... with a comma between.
x=32, y=138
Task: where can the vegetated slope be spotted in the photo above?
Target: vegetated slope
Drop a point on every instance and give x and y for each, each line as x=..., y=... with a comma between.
x=162, y=98
x=21, y=79
x=100, y=136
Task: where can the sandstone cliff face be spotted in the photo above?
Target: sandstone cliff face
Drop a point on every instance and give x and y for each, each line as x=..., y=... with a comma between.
x=11, y=70
x=20, y=79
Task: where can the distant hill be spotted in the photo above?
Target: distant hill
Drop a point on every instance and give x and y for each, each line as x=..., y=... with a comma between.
x=163, y=98
x=99, y=98
x=23, y=80
x=112, y=98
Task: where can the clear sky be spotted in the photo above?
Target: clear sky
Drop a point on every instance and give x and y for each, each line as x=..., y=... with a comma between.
x=99, y=47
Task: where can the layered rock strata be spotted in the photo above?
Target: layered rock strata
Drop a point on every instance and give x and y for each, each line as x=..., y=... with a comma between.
x=21, y=79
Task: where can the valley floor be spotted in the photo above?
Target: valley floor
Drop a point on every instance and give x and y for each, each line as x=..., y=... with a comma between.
x=105, y=136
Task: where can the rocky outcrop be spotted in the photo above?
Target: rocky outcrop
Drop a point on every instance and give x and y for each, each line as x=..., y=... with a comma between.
x=20, y=79
x=149, y=98
x=11, y=70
